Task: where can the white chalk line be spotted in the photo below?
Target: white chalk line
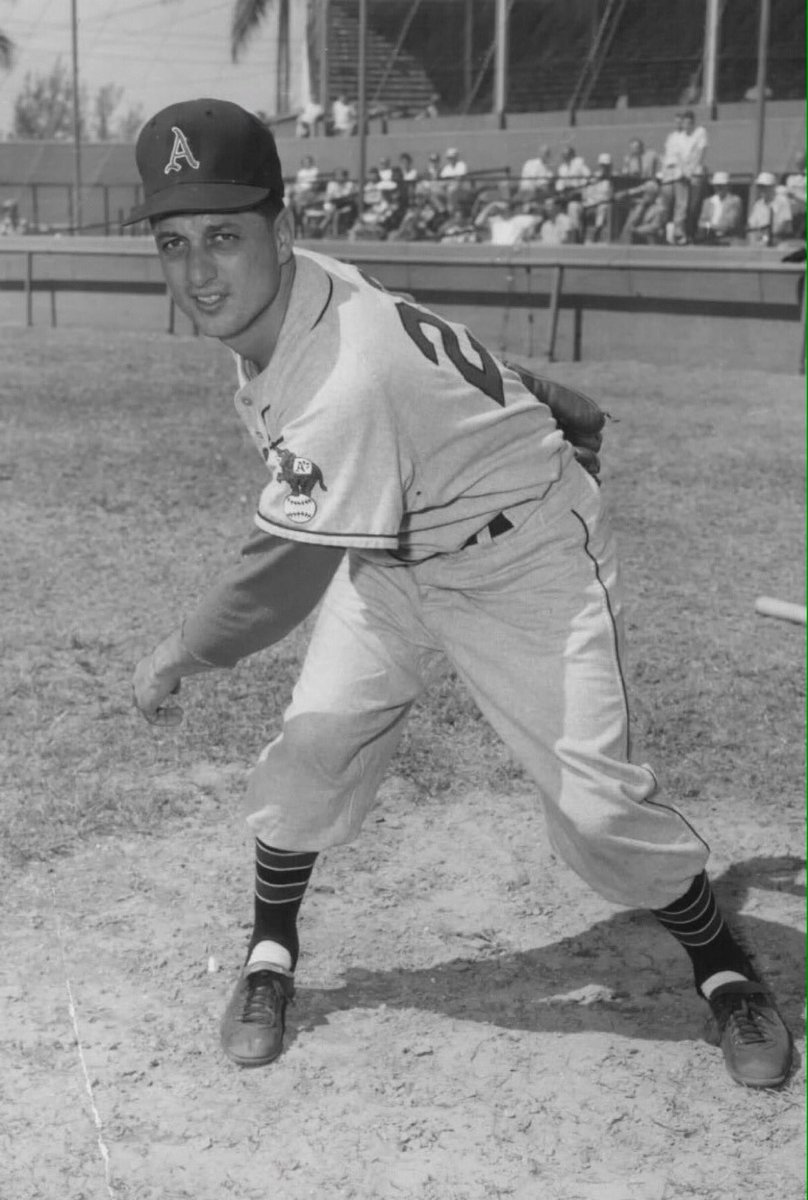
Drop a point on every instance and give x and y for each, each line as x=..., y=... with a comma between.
x=71, y=1008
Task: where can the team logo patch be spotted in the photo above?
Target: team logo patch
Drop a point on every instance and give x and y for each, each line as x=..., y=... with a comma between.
x=180, y=151
x=303, y=476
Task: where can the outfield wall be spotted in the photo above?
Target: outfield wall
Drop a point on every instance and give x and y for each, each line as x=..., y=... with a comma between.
x=739, y=308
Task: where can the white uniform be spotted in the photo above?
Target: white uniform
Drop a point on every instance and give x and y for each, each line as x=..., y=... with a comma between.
x=391, y=432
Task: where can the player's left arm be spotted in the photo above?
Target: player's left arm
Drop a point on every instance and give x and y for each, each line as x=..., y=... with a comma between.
x=267, y=593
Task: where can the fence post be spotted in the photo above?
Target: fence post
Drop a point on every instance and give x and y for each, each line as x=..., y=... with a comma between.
x=555, y=299
x=53, y=308
x=35, y=205
x=578, y=320
x=29, y=289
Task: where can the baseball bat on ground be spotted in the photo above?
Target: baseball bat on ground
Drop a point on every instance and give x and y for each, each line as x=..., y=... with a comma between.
x=784, y=610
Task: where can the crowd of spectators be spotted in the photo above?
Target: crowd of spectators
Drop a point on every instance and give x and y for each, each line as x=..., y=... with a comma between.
x=669, y=196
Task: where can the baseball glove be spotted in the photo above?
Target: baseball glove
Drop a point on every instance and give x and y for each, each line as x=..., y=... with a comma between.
x=579, y=417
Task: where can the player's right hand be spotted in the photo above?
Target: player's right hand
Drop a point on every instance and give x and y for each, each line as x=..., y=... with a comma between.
x=151, y=689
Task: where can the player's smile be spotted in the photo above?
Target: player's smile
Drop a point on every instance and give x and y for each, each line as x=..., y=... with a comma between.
x=230, y=273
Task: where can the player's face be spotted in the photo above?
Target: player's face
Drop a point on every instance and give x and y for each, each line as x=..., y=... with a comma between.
x=231, y=274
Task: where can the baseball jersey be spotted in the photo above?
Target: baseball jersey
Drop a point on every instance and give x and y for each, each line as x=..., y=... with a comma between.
x=386, y=427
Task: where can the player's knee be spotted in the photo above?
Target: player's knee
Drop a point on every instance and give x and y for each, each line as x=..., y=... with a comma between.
x=318, y=746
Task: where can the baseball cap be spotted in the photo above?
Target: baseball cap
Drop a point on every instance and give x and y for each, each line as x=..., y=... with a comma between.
x=720, y=178
x=766, y=179
x=452, y=152
x=205, y=156
x=604, y=160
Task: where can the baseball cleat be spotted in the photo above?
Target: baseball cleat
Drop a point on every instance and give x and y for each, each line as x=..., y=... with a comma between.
x=754, y=1039
x=254, y=1021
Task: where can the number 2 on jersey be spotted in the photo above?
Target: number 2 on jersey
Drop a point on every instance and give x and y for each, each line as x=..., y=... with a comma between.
x=486, y=378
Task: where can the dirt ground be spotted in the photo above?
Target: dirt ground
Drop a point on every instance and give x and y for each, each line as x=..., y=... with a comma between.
x=467, y=1026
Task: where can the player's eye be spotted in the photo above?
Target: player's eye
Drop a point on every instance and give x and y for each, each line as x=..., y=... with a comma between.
x=170, y=245
x=224, y=237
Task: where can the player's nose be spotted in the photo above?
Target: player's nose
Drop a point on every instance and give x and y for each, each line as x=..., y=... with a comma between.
x=200, y=266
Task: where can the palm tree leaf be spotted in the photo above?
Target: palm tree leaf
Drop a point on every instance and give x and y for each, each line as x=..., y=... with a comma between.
x=6, y=50
x=247, y=16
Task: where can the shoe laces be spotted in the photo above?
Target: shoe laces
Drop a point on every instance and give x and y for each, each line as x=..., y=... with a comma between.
x=263, y=998
x=747, y=1021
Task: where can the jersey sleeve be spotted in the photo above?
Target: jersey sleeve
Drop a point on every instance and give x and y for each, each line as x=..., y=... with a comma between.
x=267, y=593
x=338, y=472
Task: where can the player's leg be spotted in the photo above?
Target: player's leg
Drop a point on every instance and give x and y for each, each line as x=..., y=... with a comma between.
x=538, y=641
x=313, y=785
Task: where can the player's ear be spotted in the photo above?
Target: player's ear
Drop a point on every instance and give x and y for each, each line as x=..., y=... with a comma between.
x=284, y=235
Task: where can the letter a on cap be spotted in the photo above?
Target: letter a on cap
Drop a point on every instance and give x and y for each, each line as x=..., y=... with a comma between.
x=180, y=150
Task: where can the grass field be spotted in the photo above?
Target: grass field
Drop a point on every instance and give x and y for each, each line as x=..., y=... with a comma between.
x=127, y=483
x=471, y=1023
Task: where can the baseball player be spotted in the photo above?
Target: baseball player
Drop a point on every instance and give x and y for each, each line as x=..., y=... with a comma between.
x=423, y=494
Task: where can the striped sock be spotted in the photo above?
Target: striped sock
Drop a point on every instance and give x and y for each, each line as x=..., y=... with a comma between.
x=696, y=922
x=281, y=877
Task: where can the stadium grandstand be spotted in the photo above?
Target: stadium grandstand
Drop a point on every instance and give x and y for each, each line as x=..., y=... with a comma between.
x=596, y=73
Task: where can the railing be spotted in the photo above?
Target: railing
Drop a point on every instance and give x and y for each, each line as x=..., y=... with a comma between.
x=755, y=285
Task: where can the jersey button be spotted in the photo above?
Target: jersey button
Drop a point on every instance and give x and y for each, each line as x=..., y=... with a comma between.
x=246, y=401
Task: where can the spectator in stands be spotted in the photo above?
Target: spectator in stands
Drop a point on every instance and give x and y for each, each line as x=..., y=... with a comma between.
x=383, y=207
x=433, y=166
x=424, y=218
x=640, y=164
x=343, y=117
x=554, y=227
x=409, y=174
x=339, y=205
x=769, y=219
x=9, y=218
x=454, y=166
x=572, y=174
x=649, y=215
x=508, y=220
x=684, y=172
x=310, y=120
x=431, y=108
x=385, y=170
x=596, y=202
x=536, y=179
x=794, y=183
x=306, y=191
x=721, y=216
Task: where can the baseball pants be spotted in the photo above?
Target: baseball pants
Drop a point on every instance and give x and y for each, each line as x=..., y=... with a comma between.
x=531, y=623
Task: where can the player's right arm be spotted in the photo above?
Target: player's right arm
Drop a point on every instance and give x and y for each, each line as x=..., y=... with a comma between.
x=271, y=589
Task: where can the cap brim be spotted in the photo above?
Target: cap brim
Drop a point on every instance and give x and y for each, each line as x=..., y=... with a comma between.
x=198, y=198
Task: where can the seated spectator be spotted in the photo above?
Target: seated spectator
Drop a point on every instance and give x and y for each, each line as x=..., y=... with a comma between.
x=305, y=192
x=459, y=226
x=572, y=174
x=310, y=120
x=424, y=218
x=536, y=179
x=554, y=227
x=596, y=202
x=649, y=216
x=385, y=170
x=453, y=169
x=384, y=202
x=769, y=219
x=509, y=220
x=343, y=117
x=794, y=184
x=9, y=218
x=721, y=216
x=640, y=164
x=339, y=205
x=430, y=109
x=409, y=174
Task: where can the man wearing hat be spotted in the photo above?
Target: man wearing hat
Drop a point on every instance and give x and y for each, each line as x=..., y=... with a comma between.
x=421, y=493
x=770, y=218
x=721, y=216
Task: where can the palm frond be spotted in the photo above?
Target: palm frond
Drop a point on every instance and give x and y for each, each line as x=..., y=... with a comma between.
x=247, y=16
x=6, y=51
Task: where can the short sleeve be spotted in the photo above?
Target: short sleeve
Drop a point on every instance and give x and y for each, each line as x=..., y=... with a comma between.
x=337, y=471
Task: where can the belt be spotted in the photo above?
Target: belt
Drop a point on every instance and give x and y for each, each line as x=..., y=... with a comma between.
x=496, y=526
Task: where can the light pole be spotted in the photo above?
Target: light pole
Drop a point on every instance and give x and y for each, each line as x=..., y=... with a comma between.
x=763, y=52
x=76, y=121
